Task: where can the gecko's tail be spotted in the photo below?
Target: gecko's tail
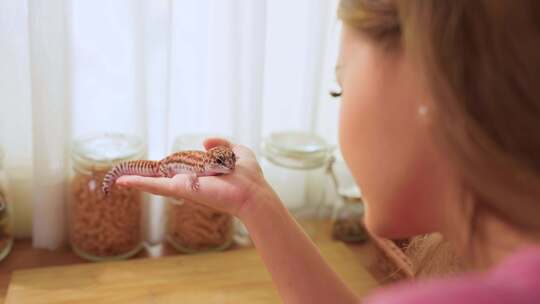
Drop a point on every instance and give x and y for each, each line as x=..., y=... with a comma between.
x=135, y=167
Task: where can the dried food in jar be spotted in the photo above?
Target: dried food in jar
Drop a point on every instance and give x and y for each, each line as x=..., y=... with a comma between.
x=194, y=227
x=104, y=226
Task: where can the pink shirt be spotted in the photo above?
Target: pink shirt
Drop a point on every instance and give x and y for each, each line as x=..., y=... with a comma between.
x=515, y=280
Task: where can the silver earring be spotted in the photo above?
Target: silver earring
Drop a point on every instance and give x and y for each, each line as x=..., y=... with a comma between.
x=422, y=110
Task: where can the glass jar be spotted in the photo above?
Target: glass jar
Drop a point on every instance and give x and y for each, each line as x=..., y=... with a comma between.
x=294, y=164
x=348, y=215
x=6, y=228
x=192, y=227
x=348, y=222
x=104, y=227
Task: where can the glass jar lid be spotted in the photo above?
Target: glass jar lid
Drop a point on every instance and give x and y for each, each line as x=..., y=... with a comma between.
x=296, y=150
x=101, y=152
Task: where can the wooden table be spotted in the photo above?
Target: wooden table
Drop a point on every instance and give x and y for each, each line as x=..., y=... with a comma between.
x=24, y=256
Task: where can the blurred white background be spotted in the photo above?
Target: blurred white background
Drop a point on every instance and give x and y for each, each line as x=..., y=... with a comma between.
x=156, y=69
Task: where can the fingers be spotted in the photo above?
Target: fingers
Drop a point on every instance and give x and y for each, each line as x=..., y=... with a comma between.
x=243, y=152
x=156, y=185
x=240, y=151
x=212, y=142
x=180, y=186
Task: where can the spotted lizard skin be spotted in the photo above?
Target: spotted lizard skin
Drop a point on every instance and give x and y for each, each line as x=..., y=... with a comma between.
x=216, y=161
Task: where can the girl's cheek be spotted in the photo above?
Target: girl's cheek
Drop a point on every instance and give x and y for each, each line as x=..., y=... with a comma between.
x=346, y=141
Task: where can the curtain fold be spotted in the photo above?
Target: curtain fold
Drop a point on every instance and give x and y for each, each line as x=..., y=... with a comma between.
x=252, y=51
x=16, y=110
x=50, y=118
x=156, y=37
x=156, y=69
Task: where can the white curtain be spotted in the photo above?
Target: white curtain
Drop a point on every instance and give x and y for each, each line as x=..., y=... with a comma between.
x=156, y=69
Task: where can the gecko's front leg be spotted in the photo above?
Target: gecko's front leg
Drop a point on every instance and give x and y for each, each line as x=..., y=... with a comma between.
x=193, y=182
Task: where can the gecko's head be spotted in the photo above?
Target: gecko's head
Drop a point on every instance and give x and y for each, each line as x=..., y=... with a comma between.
x=221, y=160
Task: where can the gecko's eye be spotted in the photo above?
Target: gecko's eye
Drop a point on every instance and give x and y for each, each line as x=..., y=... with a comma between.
x=220, y=161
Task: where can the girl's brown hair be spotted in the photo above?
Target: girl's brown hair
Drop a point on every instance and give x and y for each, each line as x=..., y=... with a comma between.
x=482, y=60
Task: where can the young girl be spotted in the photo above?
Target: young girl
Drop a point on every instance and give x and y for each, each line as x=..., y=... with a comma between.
x=439, y=124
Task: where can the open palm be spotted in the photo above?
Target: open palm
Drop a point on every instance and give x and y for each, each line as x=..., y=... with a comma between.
x=227, y=193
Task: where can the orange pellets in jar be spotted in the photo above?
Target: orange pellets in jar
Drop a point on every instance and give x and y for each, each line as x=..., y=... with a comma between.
x=104, y=227
x=192, y=227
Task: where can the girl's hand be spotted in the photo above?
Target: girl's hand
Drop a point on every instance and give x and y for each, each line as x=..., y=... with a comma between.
x=230, y=193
